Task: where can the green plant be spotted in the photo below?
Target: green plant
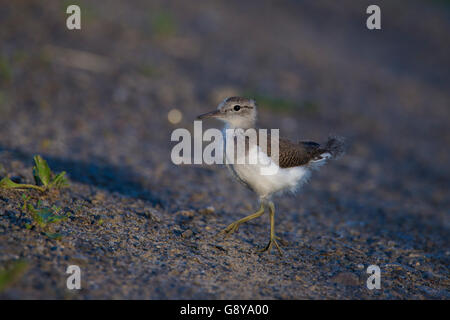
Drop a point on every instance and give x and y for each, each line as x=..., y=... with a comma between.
x=5, y=69
x=12, y=273
x=44, y=178
x=54, y=236
x=43, y=216
x=148, y=70
x=163, y=24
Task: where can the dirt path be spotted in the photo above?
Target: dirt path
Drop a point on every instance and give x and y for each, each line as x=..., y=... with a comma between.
x=141, y=227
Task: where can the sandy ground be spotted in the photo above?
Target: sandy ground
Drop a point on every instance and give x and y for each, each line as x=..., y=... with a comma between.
x=94, y=103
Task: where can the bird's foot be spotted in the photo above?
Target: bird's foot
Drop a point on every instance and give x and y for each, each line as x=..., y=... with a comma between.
x=273, y=240
x=232, y=228
x=235, y=225
x=282, y=241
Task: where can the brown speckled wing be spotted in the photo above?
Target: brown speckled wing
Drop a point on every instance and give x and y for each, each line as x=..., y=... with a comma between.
x=296, y=154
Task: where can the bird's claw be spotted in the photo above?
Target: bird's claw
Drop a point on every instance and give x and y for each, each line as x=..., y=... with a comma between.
x=232, y=228
x=270, y=244
x=282, y=241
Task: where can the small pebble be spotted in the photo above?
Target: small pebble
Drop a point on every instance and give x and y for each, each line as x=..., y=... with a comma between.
x=186, y=213
x=187, y=234
x=347, y=279
x=207, y=210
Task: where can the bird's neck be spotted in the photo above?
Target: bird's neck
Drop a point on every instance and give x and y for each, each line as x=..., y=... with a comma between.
x=235, y=127
x=240, y=124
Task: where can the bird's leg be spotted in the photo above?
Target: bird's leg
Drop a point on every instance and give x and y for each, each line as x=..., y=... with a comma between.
x=235, y=225
x=273, y=237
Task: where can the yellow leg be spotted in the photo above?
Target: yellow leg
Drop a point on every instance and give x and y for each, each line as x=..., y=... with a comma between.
x=273, y=237
x=235, y=225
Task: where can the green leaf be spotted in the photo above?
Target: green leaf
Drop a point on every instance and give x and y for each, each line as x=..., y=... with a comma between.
x=45, y=216
x=59, y=181
x=43, y=176
x=7, y=183
x=54, y=236
x=25, y=201
x=41, y=171
x=163, y=24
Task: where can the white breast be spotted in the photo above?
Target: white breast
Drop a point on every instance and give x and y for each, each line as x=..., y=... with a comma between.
x=283, y=179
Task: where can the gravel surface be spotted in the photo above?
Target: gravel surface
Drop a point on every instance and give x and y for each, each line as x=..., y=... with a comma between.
x=94, y=103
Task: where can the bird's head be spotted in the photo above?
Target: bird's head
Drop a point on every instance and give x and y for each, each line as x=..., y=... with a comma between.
x=237, y=112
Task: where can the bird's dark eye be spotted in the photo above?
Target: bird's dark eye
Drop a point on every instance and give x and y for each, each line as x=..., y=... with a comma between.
x=237, y=107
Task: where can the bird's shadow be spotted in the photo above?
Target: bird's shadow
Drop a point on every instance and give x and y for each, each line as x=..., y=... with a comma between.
x=97, y=172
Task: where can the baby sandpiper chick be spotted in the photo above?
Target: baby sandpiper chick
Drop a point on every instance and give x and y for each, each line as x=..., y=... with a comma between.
x=293, y=163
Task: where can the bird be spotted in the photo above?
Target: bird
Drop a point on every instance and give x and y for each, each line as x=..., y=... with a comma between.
x=294, y=163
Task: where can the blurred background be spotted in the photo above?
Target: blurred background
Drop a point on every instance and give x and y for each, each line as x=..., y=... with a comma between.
x=96, y=102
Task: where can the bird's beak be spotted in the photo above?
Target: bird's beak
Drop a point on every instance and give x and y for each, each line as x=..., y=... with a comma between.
x=212, y=114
